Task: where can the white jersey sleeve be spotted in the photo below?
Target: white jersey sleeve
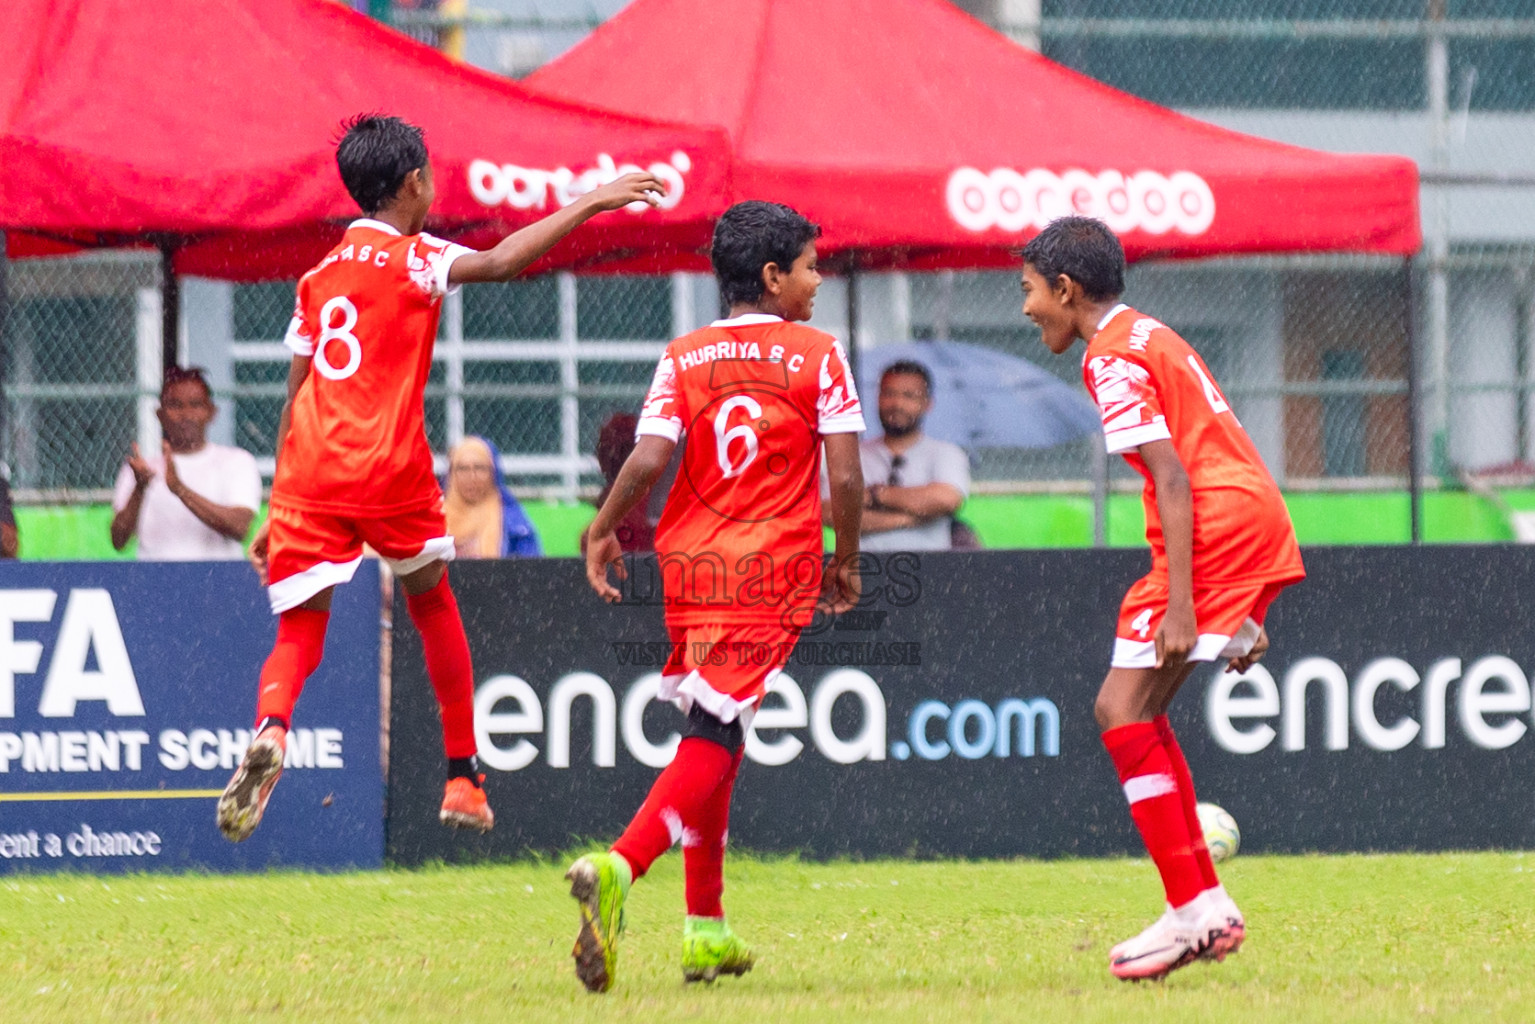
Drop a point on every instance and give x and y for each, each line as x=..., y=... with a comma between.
x=429, y=263
x=838, y=408
x=1128, y=401
x=663, y=413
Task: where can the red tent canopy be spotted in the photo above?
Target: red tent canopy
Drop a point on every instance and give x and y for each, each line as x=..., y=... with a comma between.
x=211, y=127
x=918, y=136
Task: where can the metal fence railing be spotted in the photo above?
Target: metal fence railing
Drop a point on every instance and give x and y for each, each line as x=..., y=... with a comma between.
x=1311, y=352
x=535, y=366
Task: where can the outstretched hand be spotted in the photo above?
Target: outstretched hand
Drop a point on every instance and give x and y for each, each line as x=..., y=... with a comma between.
x=639, y=187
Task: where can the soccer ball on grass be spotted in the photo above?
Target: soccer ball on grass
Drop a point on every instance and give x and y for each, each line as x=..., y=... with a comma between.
x=1221, y=833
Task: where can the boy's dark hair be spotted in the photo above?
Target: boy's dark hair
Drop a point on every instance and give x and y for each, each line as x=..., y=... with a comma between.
x=374, y=156
x=1085, y=250
x=748, y=237
x=913, y=367
x=181, y=374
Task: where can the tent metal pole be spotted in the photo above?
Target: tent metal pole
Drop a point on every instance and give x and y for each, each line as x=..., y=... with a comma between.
x=1414, y=405
x=5, y=347
x=170, y=309
x=1100, y=492
x=853, y=354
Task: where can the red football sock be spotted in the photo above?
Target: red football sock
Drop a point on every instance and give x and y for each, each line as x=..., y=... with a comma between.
x=435, y=614
x=295, y=656
x=1155, y=804
x=677, y=796
x=703, y=847
x=1190, y=803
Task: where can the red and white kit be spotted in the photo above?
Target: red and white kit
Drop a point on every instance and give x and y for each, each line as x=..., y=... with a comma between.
x=739, y=543
x=1150, y=385
x=355, y=467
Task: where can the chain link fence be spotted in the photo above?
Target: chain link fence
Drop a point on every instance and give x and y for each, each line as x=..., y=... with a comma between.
x=535, y=366
x=81, y=371
x=1311, y=352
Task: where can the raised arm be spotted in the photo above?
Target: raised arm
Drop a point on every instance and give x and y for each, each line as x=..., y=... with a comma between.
x=517, y=251
x=232, y=521
x=125, y=522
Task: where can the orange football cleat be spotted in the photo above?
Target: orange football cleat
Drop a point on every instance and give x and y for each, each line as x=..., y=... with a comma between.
x=464, y=806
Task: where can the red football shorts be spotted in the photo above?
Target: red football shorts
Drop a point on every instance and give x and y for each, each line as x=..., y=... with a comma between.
x=1228, y=618
x=725, y=668
x=309, y=551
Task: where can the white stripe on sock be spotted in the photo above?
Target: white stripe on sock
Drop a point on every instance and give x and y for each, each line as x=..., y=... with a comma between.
x=673, y=822
x=1144, y=787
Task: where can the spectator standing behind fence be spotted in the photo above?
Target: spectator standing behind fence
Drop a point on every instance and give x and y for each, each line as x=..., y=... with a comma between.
x=10, y=544
x=195, y=501
x=484, y=517
x=913, y=484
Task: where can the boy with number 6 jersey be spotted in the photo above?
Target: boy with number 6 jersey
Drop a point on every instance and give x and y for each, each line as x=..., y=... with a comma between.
x=1222, y=548
x=353, y=464
x=755, y=398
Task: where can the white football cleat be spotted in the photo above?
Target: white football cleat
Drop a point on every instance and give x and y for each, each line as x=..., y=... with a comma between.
x=1225, y=929
x=1162, y=948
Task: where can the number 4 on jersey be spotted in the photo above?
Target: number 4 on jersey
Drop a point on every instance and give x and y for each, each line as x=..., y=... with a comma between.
x=1142, y=623
x=1212, y=393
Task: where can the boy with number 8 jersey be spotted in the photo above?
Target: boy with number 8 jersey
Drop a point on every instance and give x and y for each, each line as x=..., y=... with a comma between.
x=1222, y=548
x=353, y=464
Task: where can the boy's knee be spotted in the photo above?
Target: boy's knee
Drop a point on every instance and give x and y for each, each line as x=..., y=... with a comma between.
x=704, y=726
x=1119, y=706
x=1105, y=712
x=425, y=579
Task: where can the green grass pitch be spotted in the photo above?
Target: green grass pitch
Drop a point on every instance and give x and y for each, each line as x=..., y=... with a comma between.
x=1339, y=938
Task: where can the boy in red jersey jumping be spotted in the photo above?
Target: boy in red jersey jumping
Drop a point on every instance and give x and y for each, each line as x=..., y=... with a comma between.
x=1222, y=548
x=353, y=465
x=739, y=547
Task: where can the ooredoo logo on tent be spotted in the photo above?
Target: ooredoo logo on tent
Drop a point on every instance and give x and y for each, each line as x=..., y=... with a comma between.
x=1015, y=201
x=530, y=188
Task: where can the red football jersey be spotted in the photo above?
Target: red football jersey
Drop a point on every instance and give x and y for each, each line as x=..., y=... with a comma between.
x=367, y=316
x=1151, y=385
x=740, y=537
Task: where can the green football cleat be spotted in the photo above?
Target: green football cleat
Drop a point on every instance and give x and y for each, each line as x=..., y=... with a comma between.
x=600, y=884
x=710, y=948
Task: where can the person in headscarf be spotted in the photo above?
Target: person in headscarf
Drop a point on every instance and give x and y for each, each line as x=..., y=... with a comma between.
x=484, y=517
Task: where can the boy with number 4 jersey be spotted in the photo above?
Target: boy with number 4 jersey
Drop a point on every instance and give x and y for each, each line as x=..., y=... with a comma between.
x=353, y=465
x=1222, y=548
